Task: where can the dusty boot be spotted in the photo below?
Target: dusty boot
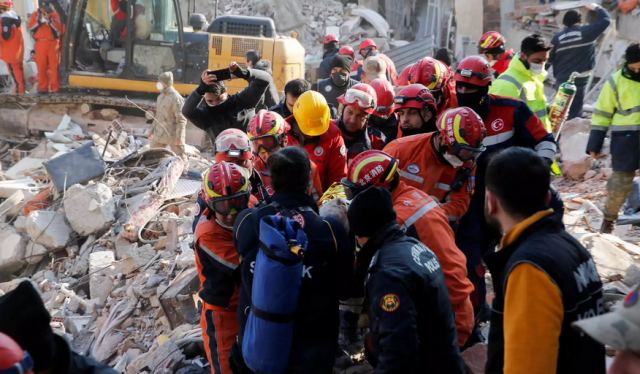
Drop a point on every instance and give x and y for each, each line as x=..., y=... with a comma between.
x=607, y=227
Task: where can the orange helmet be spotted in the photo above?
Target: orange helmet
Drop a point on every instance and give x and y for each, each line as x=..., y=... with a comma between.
x=462, y=132
x=267, y=130
x=232, y=144
x=384, y=93
x=329, y=38
x=474, y=70
x=362, y=96
x=367, y=43
x=431, y=73
x=370, y=168
x=226, y=188
x=347, y=50
x=491, y=42
x=414, y=96
x=404, y=78
x=13, y=360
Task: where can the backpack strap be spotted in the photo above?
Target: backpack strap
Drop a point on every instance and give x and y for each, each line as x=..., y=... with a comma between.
x=272, y=317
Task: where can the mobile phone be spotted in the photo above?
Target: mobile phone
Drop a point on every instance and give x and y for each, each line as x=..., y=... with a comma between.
x=221, y=75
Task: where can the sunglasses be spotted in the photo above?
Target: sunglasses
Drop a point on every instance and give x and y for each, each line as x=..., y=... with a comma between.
x=228, y=205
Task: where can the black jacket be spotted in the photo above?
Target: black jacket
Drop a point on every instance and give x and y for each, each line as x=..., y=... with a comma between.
x=324, y=70
x=236, y=112
x=281, y=109
x=410, y=316
x=70, y=362
x=331, y=92
x=328, y=273
x=546, y=245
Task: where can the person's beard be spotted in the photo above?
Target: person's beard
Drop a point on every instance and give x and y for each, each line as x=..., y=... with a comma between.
x=491, y=221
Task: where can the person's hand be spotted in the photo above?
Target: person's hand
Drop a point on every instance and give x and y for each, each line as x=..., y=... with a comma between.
x=596, y=155
x=238, y=70
x=207, y=78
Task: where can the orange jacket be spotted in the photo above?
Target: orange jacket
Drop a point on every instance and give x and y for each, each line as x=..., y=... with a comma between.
x=423, y=218
x=421, y=167
x=45, y=26
x=11, y=41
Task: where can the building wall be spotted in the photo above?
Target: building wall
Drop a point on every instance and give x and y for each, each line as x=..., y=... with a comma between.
x=470, y=24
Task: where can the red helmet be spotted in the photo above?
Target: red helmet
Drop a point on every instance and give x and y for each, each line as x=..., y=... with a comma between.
x=462, y=132
x=267, y=129
x=329, y=38
x=384, y=93
x=232, y=144
x=6, y=4
x=403, y=79
x=370, y=168
x=13, y=360
x=415, y=96
x=347, y=50
x=474, y=70
x=431, y=73
x=226, y=188
x=362, y=96
x=491, y=41
x=367, y=43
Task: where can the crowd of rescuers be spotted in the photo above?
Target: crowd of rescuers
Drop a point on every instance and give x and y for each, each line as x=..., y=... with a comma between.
x=363, y=219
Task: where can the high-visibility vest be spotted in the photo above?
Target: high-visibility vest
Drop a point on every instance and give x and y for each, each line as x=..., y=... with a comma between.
x=618, y=106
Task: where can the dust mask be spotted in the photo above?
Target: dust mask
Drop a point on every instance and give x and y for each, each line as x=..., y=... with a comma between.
x=536, y=69
x=159, y=86
x=455, y=161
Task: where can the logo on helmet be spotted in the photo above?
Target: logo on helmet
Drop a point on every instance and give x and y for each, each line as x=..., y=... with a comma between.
x=318, y=151
x=497, y=125
x=413, y=169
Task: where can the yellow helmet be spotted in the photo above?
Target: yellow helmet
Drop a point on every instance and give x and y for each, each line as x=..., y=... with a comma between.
x=312, y=113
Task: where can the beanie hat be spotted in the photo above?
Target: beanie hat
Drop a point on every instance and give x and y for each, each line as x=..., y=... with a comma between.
x=571, y=18
x=25, y=319
x=340, y=61
x=371, y=210
x=166, y=78
x=632, y=54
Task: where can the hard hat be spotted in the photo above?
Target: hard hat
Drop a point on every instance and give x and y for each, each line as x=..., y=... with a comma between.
x=330, y=38
x=6, y=4
x=431, y=73
x=384, y=94
x=370, y=168
x=403, y=79
x=367, y=43
x=197, y=20
x=267, y=129
x=232, y=144
x=474, y=70
x=361, y=96
x=462, y=132
x=491, y=41
x=226, y=188
x=414, y=96
x=13, y=360
x=347, y=50
x=312, y=113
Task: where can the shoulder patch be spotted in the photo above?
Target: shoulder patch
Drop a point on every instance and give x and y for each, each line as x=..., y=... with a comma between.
x=318, y=151
x=390, y=303
x=497, y=125
x=413, y=169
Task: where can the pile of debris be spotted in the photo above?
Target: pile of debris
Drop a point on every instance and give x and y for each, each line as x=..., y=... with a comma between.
x=102, y=226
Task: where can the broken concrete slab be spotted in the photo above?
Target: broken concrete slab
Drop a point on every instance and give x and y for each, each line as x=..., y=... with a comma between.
x=100, y=282
x=375, y=19
x=575, y=161
x=24, y=168
x=609, y=258
x=12, y=250
x=162, y=357
x=632, y=275
x=9, y=187
x=34, y=252
x=89, y=209
x=11, y=206
x=177, y=301
x=48, y=228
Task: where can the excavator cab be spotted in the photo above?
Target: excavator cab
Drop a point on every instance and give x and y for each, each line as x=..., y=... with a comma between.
x=123, y=45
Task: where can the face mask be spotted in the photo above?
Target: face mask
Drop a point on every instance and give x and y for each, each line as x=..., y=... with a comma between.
x=453, y=160
x=536, y=69
x=339, y=79
x=159, y=86
x=627, y=73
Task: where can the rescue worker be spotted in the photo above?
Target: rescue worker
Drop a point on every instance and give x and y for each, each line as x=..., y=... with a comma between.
x=14, y=360
x=118, y=22
x=618, y=109
x=328, y=263
x=338, y=83
x=227, y=192
x=524, y=78
x=383, y=117
x=422, y=218
x=330, y=50
x=169, y=124
x=415, y=107
x=219, y=110
x=368, y=48
x=198, y=22
x=268, y=134
x=292, y=91
x=373, y=67
x=320, y=136
x=24, y=318
x=412, y=327
x=356, y=65
x=574, y=50
x=509, y=122
x=438, y=78
x=492, y=46
x=543, y=278
x=12, y=44
x=46, y=29
x=442, y=163
x=357, y=104
x=403, y=79
x=445, y=56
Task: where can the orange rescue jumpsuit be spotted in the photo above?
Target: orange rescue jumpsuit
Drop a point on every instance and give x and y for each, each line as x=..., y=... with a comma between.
x=217, y=261
x=12, y=48
x=423, y=219
x=421, y=167
x=46, y=29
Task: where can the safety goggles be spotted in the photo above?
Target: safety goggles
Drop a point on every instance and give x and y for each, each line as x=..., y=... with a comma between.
x=363, y=100
x=229, y=204
x=468, y=73
x=384, y=109
x=466, y=153
x=401, y=100
x=25, y=365
x=269, y=143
